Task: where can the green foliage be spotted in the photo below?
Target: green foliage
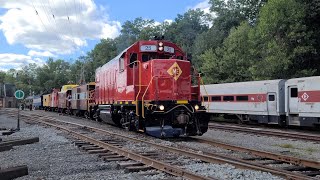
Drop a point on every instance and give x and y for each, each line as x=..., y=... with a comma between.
x=282, y=41
x=185, y=29
x=232, y=61
x=246, y=40
x=2, y=76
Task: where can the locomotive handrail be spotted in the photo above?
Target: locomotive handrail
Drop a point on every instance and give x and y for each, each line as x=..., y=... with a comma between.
x=144, y=95
x=205, y=90
x=139, y=71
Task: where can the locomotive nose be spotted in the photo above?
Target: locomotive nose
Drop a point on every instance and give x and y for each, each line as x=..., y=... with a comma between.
x=172, y=79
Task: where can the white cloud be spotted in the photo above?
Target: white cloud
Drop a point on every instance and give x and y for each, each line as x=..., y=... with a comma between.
x=44, y=53
x=17, y=61
x=44, y=26
x=168, y=21
x=204, y=6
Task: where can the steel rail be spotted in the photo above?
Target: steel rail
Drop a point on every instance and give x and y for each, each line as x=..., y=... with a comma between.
x=291, y=135
x=213, y=158
x=131, y=155
x=280, y=157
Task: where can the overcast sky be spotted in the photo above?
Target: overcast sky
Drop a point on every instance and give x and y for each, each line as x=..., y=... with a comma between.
x=33, y=30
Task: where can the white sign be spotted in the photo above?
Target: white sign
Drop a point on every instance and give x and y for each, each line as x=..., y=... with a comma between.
x=168, y=49
x=148, y=48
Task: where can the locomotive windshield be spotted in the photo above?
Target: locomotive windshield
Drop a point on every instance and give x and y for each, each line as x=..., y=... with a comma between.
x=149, y=56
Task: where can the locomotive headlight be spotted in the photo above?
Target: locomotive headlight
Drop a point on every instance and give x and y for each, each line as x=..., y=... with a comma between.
x=196, y=107
x=160, y=48
x=160, y=43
x=161, y=107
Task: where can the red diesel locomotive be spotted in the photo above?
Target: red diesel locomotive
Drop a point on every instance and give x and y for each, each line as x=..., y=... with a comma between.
x=149, y=87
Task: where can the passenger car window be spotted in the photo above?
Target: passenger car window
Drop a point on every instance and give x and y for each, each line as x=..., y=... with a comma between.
x=228, y=98
x=294, y=92
x=216, y=98
x=242, y=98
x=205, y=98
x=271, y=98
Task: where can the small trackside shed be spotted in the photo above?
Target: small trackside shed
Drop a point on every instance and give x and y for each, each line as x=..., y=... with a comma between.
x=261, y=101
x=303, y=101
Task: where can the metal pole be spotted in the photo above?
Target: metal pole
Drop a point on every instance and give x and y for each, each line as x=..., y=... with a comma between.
x=18, y=124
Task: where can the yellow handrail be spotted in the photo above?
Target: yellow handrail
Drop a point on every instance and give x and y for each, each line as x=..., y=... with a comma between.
x=137, y=104
x=204, y=87
x=144, y=95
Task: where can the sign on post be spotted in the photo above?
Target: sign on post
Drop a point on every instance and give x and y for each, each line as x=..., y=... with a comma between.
x=19, y=94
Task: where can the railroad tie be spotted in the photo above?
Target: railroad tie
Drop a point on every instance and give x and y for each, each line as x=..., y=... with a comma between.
x=137, y=168
x=90, y=147
x=13, y=172
x=116, y=159
x=106, y=154
x=19, y=142
x=97, y=151
x=311, y=173
x=5, y=148
x=122, y=165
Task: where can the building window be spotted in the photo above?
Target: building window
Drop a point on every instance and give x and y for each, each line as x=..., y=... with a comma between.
x=228, y=98
x=242, y=98
x=215, y=98
x=294, y=92
x=271, y=97
x=205, y=98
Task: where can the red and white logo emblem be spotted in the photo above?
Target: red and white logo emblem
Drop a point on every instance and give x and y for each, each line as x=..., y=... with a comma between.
x=305, y=96
x=175, y=71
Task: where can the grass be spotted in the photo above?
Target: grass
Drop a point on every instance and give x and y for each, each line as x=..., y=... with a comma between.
x=286, y=146
x=310, y=150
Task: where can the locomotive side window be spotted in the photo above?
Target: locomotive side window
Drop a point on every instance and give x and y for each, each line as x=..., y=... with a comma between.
x=271, y=98
x=121, y=62
x=216, y=98
x=228, y=98
x=242, y=98
x=145, y=57
x=133, y=58
x=205, y=98
x=294, y=92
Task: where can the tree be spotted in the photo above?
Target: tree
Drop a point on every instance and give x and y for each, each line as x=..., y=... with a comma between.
x=2, y=76
x=186, y=28
x=232, y=61
x=281, y=41
x=138, y=29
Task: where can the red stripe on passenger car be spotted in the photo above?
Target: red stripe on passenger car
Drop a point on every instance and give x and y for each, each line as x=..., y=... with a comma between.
x=309, y=96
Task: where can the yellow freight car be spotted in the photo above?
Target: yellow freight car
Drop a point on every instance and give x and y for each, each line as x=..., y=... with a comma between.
x=46, y=101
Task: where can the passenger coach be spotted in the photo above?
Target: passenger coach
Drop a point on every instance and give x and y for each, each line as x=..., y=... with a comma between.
x=293, y=102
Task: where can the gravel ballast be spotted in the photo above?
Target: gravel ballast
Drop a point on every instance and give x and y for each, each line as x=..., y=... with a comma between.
x=227, y=172
x=54, y=156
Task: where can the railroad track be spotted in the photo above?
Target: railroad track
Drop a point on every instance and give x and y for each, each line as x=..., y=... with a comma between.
x=188, y=152
x=259, y=131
